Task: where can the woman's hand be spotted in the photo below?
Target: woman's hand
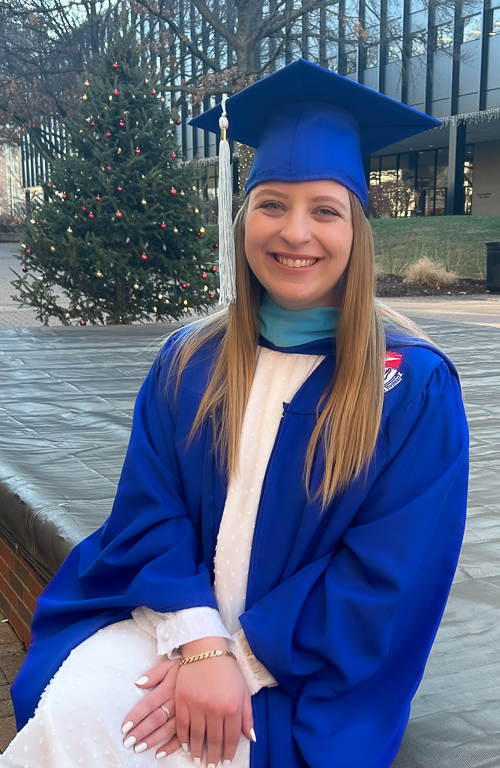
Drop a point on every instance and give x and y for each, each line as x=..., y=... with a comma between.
x=212, y=701
x=148, y=724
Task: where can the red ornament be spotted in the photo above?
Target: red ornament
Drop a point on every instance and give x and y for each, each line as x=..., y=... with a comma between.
x=92, y=123
x=153, y=91
x=215, y=245
x=25, y=269
x=122, y=123
x=116, y=91
x=137, y=151
x=49, y=184
x=173, y=191
x=82, y=322
x=45, y=221
x=118, y=214
x=214, y=270
x=28, y=250
x=144, y=256
x=163, y=225
x=108, y=133
x=109, y=167
x=177, y=122
x=189, y=189
x=185, y=285
x=64, y=196
x=115, y=65
x=97, y=197
x=211, y=294
x=91, y=215
x=174, y=154
x=84, y=209
x=204, y=275
x=120, y=189
x=199, y=234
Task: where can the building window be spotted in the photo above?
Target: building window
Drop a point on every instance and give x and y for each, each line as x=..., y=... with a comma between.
x=417, y=43
x=351, y=60
x=444, y=36
x=471, y=28
x=371, y=56
x=495, y=21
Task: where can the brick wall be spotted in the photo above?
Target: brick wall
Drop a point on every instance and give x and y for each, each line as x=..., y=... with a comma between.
x=19, y=588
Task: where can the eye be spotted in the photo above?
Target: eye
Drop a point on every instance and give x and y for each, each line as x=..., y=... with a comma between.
x=328, y=213
x=271, y=206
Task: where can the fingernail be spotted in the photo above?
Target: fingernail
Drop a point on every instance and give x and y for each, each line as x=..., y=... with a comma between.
x=211, y=765
x=252, y=734
x=226, y=763
x=129, y=742
x=185, y=747
x=127, y=727
x=159, y=755
x=140, y=747
x=142, y=680
x=197, y=762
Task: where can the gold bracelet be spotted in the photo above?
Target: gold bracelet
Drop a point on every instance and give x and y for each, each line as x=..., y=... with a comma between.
x=206, y=655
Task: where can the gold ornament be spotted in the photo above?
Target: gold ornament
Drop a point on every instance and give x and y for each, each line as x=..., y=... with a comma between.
x=98, y=273
x=84, y=97
x=160, y=296
x=136, y=286
x=185, y=309
x=69, y=230
x=134, y=296
x=144, y=202
x=202, y=230
x=185, y=302
x=52, y=248
x=23, y=245
x=194, y=189
x=171, y=122
x=86, y=83
x=133, y=95
x=119, y=150
x=32, y=221
x=155, y=309
x=176, y=231
x=182, y=192
x=205, y=287
x=76, y=216
x=196, y=210
x=110, y=98
x=146, y=80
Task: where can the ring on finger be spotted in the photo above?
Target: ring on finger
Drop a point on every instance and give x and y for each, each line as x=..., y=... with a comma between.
x=166, y=710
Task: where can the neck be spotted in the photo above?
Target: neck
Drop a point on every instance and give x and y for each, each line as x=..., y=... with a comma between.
x=291, y=328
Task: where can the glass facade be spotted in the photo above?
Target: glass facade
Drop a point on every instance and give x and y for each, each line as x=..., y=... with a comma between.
x=415, y=183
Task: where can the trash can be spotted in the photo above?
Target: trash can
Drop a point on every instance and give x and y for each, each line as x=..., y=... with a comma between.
x=493, y=266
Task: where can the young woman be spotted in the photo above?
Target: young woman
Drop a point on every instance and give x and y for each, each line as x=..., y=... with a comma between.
x=288, y=521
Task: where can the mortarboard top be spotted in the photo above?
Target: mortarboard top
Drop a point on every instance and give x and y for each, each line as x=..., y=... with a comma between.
x=309, y=123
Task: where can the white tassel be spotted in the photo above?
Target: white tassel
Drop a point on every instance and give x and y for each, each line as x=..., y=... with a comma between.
x=227, y=258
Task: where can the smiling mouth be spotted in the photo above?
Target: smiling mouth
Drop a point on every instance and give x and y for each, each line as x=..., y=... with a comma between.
x=287, y=261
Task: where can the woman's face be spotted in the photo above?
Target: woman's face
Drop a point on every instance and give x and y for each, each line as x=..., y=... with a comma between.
x=298, y=239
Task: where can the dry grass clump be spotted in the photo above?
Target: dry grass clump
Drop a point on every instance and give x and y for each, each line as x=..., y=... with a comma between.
x=430, y=273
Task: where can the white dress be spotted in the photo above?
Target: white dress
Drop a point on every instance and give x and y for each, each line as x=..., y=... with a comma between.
x=78, y=720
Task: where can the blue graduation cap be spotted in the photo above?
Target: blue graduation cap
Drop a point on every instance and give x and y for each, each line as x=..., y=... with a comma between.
x=308, y=123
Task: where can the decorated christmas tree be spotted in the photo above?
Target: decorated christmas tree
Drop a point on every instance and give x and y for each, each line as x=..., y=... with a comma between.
x=119, y=236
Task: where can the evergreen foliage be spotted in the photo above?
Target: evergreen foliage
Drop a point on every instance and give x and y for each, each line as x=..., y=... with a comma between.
x=119, y=236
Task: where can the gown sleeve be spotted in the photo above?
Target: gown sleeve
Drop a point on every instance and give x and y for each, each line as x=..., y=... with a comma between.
x=147, y=553
x=347, y=637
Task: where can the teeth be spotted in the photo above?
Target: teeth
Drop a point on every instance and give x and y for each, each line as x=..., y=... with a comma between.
x=295, y=262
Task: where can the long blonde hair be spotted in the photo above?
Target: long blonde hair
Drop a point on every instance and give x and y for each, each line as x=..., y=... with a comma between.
x=349, y=421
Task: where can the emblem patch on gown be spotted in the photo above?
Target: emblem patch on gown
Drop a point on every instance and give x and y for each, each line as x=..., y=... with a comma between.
x=392, y=374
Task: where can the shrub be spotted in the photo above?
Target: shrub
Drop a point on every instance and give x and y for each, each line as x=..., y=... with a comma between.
x=430, y=273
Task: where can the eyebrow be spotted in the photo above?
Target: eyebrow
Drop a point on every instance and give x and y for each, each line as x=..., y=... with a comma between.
x=318, y=199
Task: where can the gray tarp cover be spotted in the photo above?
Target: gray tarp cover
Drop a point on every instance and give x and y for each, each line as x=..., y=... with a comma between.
x=66, y=399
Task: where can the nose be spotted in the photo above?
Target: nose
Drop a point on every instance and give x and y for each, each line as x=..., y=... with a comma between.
x=295, y=230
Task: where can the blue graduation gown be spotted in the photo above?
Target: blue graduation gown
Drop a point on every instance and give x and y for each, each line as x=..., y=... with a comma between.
x=342, y=605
